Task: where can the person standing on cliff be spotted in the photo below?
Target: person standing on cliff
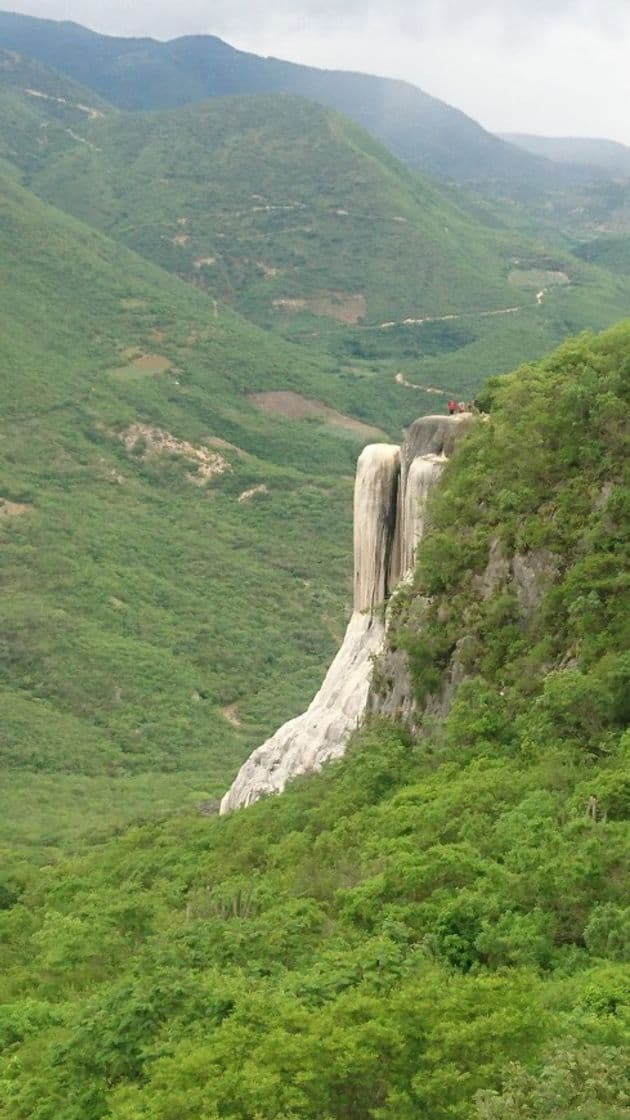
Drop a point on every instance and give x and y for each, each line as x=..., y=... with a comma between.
x=452, y=408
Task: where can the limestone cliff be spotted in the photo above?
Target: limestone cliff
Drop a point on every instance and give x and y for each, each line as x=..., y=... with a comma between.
x=390, y=499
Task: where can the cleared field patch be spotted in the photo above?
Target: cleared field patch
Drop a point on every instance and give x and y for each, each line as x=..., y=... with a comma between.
x=247, y=495
x=145, y=365
x=145, y=441
x=230, y=713
x=284, y=402
x=341, y=306
x=12, y=509
x=537, y=278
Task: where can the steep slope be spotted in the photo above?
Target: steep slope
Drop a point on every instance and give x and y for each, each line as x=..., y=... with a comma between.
x=42, y=111
x=607, y=155
x=173, y=557
x=392, y=490
x=612, y=253
x=270, y=200
x=146, y=74
x=306, y=225
x=435, y=927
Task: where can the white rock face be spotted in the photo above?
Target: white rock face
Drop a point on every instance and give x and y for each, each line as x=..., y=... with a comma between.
x=306, y=742
x=423, y=473
x=375, y=505
x=390, y=497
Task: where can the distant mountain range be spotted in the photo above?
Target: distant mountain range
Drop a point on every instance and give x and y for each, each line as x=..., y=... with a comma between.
x=146, y=74
x=607, y=155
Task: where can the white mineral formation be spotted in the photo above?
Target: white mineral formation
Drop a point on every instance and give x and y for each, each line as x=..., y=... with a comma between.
x=423, y=473
x=375, y=507
x=390, y=496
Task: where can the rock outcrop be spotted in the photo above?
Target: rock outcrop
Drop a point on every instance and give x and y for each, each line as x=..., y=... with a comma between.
x=390, y=499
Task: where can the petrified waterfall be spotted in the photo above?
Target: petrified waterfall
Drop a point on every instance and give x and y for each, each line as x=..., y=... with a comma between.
x=375, y=510
x=390, y=497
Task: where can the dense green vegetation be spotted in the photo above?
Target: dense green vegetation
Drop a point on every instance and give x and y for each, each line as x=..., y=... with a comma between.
x=267, y=198
x=306, y=225
x=434, y=928
x=611, y=252
x=41, y=110
x=147, y=74
x=141, y=599
x=574, y=193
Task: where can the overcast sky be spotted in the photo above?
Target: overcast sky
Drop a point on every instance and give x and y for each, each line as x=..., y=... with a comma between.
x=556, y=67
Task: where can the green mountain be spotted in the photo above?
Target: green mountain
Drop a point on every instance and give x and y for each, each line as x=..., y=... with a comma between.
x=135, y=674
x=175, y=557
x=297, y=218
x=612, y=253
x=435, y=927
x=146, y=74
x=41, y=110
x=205, y=312
x=608, y=155
x=271, y=199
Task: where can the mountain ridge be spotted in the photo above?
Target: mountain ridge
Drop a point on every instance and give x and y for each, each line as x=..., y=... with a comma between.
x=607, y=155
x=147, y=74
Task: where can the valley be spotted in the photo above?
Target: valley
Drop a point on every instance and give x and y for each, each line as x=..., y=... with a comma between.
x=236, y=295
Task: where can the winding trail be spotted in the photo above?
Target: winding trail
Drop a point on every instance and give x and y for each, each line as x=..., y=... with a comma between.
x=449, y=318
x=93, y=114
x=400, y=378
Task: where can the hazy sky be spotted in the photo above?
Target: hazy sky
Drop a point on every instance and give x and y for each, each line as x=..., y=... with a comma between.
x=556, y=67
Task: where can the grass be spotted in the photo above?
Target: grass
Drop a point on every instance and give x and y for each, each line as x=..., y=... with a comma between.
x=435, y=925
x=295, y=217
x=138, y=604
x=141, y=604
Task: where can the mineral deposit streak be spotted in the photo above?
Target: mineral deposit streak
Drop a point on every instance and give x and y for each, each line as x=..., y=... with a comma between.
x=375, y=506
x=390, y=498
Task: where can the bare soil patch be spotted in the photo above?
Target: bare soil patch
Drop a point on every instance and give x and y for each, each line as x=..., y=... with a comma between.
x=141, y=365
x=247, y=495
x=12, y=509
x=267, y=270
x=538, y=277
x=284, y=402
x=229, y=711
x=341, y=306
x=155, y=441
x=153, y=363
x=400, y=379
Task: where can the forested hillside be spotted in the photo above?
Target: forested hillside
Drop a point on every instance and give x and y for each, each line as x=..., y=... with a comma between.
x=549, y=188
x=303, y=223
x=176, y=559
x=271, y=199
x=215, y=289
x=434, y=928
x=147, y=74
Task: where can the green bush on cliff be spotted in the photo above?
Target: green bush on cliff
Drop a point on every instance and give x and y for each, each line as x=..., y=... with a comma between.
x=432, y=929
